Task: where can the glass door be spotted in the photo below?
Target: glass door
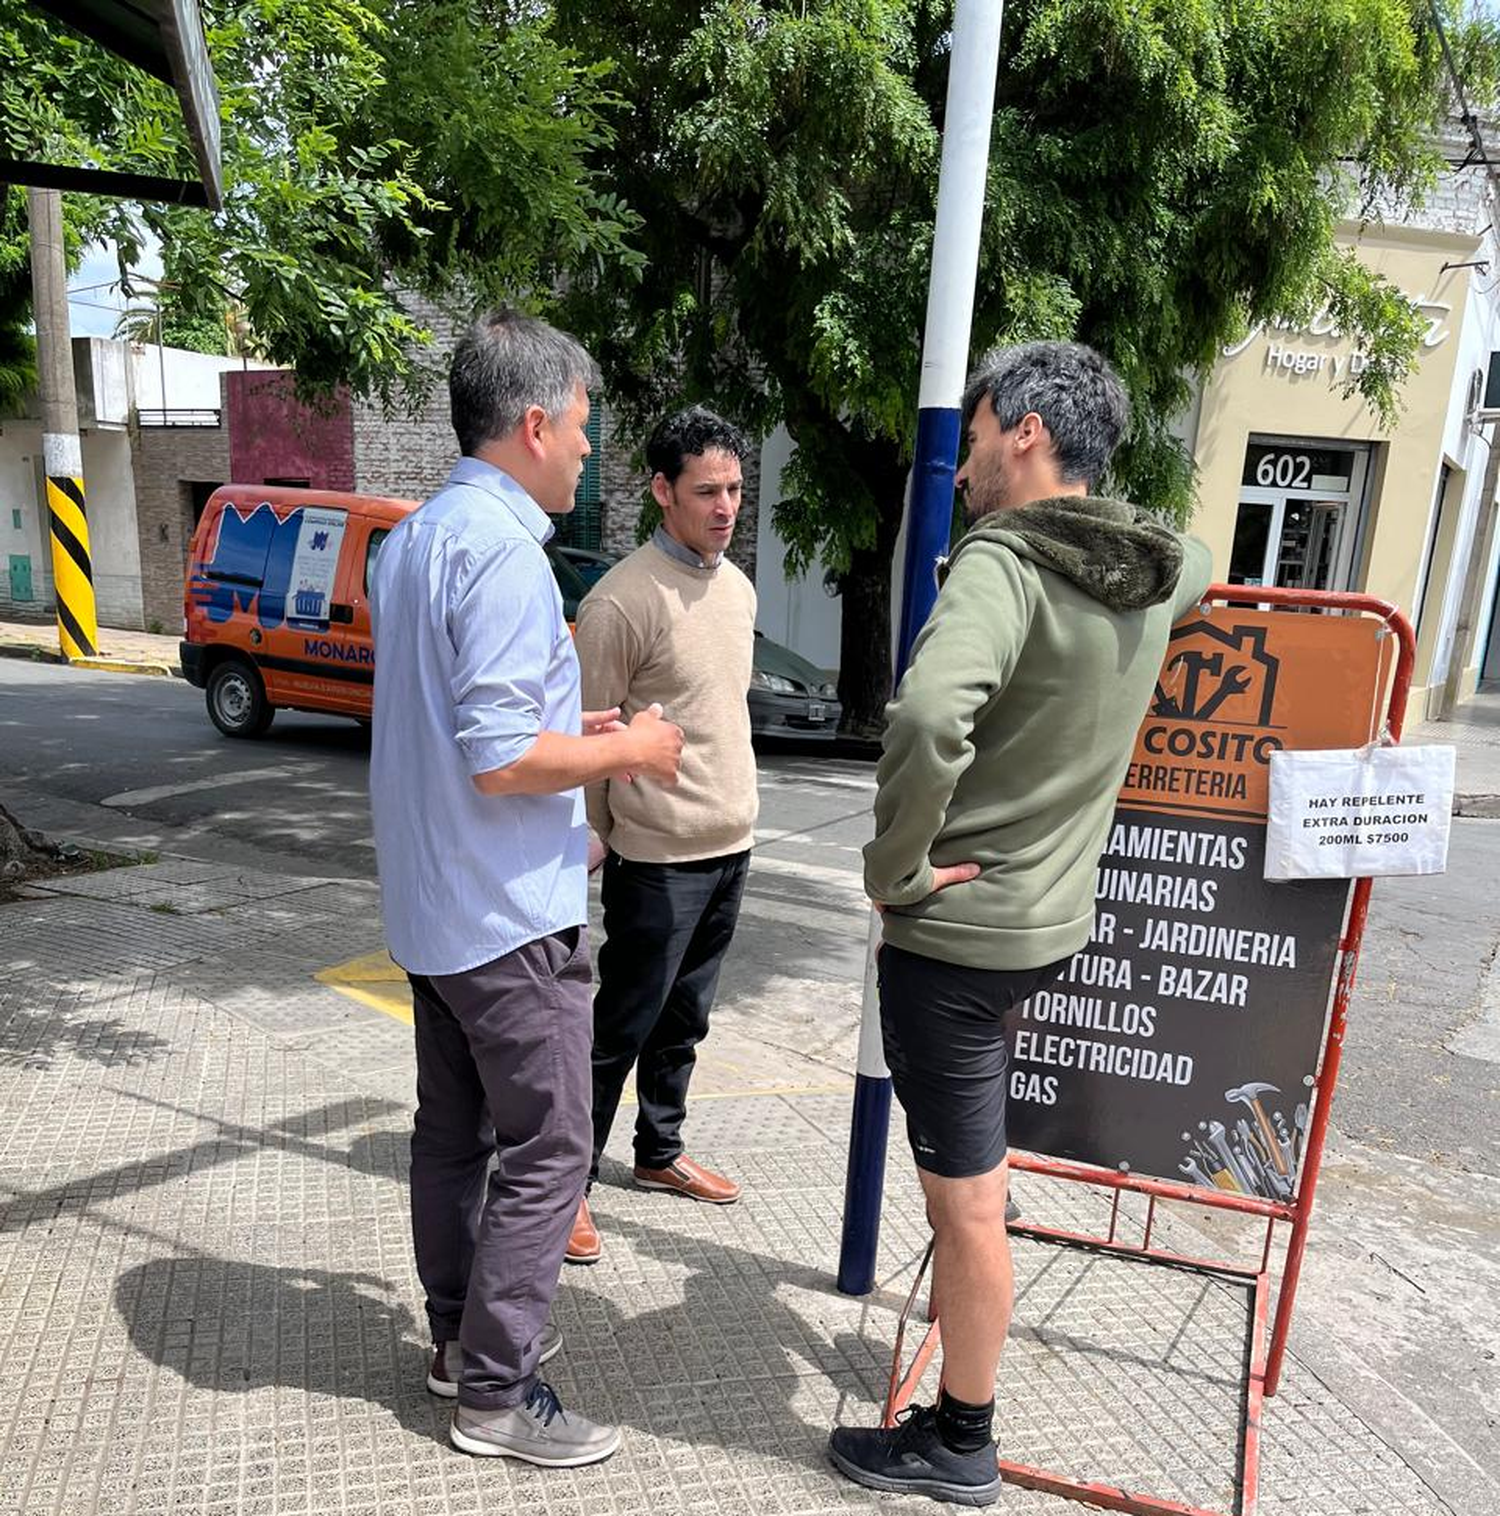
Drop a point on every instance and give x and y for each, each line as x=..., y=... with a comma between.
x=1297, y=519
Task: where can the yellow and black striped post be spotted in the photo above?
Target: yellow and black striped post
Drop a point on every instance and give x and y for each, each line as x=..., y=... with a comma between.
x=72, y=569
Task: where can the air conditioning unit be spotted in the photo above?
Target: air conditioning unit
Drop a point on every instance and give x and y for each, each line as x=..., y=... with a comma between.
x=1483, y=401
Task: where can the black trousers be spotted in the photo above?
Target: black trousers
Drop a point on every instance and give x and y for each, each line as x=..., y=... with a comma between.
x=667, y=927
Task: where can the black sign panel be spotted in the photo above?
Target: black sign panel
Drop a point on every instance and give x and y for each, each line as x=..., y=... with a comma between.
x=1183, y=1041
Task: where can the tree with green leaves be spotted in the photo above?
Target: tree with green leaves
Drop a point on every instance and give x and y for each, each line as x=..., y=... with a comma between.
x=1163, y=174
x=371, y=148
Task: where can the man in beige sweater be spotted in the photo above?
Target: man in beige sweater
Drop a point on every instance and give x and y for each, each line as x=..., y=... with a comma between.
x=672, y=625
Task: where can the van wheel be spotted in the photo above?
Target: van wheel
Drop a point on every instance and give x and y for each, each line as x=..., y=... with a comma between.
x=237, y=702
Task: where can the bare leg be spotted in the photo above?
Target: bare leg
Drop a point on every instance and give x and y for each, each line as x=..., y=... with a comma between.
x=971, y=1277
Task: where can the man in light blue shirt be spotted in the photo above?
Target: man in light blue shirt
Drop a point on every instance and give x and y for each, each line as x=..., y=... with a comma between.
x=478, y=753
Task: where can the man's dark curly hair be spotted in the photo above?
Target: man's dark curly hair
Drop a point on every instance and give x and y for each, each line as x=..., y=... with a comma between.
x=687, y=434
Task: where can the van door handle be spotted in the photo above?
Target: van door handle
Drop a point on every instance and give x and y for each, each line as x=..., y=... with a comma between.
x=341, y=613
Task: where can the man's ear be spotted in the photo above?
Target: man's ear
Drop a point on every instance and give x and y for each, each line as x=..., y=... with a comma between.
x=1030, y=430
x=661, y=491
x=532, y=424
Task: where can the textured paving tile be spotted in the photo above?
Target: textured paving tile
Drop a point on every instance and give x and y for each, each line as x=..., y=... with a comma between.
x=208, y=1303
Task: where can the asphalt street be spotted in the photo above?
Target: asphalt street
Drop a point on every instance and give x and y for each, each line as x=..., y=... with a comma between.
x=1404, y=1265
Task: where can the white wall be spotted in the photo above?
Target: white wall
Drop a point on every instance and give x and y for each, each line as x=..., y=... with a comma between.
x=797, y=612
x=191, y=379
x=1462, y=446
x=20, y=442
x=114, y=547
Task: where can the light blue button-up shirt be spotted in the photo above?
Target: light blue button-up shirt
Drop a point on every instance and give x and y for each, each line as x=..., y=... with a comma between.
x=472, y=660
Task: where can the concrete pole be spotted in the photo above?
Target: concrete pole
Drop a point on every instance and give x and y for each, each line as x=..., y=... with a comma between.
x=68, y=528
x=972, y=66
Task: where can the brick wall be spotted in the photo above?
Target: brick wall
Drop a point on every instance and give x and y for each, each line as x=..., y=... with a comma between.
x=272, y=435
x=168, y=462
x=409, y=452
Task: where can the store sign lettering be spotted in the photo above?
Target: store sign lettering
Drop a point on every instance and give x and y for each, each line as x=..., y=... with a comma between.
x=1323, y=324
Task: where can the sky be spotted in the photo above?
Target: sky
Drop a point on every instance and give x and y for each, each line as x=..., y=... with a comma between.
x=94, y=298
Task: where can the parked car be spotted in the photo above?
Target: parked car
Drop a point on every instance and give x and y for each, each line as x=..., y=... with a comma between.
x=276, y=603
x=276, y=614
x=590, y=565
x=790, y=697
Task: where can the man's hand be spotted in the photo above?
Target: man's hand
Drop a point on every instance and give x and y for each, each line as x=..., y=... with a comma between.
x=953, y=873
x=598, y=851
x=597, y=722
x=658, y=744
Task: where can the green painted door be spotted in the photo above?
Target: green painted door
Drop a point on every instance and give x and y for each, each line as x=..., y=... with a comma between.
x=20, y=578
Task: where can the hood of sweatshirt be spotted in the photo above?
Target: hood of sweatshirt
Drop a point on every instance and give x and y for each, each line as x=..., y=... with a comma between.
x=1122, y=556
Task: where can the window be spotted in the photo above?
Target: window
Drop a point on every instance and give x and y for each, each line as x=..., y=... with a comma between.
x=583, y=526
x=372, y=552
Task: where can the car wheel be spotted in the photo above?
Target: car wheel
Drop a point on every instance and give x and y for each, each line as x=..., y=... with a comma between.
x=236, y=700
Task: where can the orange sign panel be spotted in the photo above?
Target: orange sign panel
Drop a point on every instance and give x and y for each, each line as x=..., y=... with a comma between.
x=1238, y=685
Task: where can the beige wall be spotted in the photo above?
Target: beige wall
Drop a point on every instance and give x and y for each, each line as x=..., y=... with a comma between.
x=1257, y=391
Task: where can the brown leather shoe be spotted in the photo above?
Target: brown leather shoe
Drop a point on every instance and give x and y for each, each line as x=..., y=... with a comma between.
x=684, y=1177
x=583, y=1241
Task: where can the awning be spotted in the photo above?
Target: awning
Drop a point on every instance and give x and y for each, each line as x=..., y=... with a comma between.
x=165, y=38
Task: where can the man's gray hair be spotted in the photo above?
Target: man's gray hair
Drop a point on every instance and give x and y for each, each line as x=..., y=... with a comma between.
x=1072, y=388
x=503, y=365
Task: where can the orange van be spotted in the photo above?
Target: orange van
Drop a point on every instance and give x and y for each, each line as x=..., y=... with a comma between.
x=276, y=604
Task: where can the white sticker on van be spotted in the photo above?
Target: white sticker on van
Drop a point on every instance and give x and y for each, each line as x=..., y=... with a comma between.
x=315, y=565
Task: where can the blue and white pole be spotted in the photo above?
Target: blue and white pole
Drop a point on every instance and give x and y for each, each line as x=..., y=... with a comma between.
x=945, y=354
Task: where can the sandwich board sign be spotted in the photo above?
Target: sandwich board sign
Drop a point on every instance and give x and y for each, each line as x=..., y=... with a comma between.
x=1183, y=1041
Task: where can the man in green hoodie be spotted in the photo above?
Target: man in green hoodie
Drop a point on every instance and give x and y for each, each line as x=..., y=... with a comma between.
x=1004, y=751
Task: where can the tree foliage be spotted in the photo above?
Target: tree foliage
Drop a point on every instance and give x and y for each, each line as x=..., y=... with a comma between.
x=1164, y=173
x=371, y=148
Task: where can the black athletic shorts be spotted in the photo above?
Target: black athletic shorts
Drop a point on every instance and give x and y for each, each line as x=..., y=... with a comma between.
x=944, y=1031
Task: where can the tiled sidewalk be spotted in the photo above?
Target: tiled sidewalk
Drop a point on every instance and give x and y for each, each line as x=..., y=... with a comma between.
x=208, y=1302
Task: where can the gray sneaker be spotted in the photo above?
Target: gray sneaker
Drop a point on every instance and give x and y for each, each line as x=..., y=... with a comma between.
x=537, y=1431
x=448, y=1362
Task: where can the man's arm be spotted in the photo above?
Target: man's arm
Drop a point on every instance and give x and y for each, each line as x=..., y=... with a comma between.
x=503, y=630
x=608, y=654
x=1195, y=576
x=964, y=656
x=554, y=761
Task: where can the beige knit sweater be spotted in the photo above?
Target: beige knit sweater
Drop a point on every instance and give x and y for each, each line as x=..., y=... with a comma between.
x=655, y=629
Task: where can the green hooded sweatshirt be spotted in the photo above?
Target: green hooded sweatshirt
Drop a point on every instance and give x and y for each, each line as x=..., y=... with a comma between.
x=1009, y=737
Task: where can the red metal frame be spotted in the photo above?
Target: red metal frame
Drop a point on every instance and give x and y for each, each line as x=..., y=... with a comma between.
x=1264, y=1374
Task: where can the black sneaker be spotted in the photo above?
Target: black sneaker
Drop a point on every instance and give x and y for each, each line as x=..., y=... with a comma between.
x=912, y=1459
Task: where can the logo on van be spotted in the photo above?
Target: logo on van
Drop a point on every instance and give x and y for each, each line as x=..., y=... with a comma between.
x=256, y=559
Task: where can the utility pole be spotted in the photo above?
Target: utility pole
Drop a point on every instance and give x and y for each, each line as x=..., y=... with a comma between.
x=68, y=528
x=962, y=176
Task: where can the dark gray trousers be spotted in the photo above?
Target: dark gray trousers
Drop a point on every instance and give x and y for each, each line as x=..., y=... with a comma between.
x=502, y=1069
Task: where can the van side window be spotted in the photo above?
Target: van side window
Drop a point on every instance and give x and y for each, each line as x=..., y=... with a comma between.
x=372, y=551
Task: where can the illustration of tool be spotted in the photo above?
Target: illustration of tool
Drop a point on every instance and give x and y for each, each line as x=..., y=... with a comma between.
x=1284, y=1137
x=1218, y=1141
x=1189, y=1167
x=1299, y=1121
x=1250, y=1095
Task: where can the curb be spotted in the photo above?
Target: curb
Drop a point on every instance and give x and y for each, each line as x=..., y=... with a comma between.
x=125, y=666
x=33, y=652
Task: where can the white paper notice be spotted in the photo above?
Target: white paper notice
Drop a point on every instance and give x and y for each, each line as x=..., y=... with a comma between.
x=1358, y=812
x=316, y=564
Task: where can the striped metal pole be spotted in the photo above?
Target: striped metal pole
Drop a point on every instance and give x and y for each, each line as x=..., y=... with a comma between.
x=945, y=353
x=67, y=521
